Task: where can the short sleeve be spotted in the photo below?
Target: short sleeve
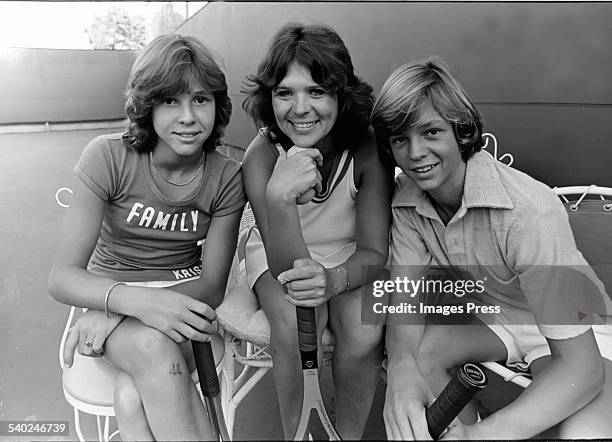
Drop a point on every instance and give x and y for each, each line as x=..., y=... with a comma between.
x=98, y=169
x=407, y=245
x=230, y=197
x=561, y=288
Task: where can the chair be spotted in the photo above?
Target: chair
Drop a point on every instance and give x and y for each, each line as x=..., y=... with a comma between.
x=89, y=384
x=246, y=333
x=88, y=387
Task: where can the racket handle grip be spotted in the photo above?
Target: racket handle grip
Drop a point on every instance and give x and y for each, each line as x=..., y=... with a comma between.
x=469, y=379
x=307, y=328
x=205, y=366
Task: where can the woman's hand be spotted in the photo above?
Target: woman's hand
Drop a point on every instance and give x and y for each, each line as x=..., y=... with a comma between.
x=308, y=283
x=88, y=335
x=179, y=316
x=295, y=179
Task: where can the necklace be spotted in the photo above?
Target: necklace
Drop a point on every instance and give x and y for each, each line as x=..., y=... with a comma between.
x=174, y=183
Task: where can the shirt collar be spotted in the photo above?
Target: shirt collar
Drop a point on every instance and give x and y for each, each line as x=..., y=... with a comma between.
x=483, y=187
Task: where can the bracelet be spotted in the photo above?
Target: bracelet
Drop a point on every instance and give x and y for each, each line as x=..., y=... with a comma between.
x=108, y=292
x=348, y=280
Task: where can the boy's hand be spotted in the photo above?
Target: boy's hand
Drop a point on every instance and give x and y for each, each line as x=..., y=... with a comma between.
x=307, y=283
x=404, y=411
x=88, y=335
x=458, y=431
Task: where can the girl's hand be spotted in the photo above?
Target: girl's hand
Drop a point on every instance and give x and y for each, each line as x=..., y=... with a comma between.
x=295, y=177
x=88, y=335
x=179, y=316
x=308, y=283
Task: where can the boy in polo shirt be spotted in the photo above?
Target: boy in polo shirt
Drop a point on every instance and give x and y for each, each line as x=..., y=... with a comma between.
x=457, y=207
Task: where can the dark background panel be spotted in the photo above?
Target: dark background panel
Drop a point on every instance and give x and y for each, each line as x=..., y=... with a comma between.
x=55, y=85
x=558, y=145
x=526, y=52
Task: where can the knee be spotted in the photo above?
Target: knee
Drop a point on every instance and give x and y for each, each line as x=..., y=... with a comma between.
x=283, y=328
x=126, y=398
x=361, y=341
x=151, y=348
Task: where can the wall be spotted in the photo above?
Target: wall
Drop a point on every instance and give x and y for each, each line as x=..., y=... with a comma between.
x=539, y=72
x=57, y=85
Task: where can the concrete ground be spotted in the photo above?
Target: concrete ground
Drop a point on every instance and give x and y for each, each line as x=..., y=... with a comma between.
x=32, y=167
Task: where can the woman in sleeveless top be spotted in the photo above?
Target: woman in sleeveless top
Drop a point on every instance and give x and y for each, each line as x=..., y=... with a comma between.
x=321, y=199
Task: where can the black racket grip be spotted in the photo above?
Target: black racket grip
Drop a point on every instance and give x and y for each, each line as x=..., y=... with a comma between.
x=205, y=366
x=307, y=328
x=469, y=379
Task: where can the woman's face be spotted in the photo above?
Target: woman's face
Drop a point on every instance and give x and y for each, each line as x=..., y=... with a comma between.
x=303, y=110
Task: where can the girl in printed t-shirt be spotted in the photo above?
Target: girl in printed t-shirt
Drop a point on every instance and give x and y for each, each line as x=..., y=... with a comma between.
x=321, y=201
x=129, y=242
x=456, y=206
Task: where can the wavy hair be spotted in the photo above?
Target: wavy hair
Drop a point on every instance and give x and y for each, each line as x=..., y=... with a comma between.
x=322, y=51
x=172, y=65
x=409, y=90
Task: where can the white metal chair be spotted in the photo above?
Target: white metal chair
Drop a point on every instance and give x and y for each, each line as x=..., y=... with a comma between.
x=246, y=333
x=89, y=384
x=88, y=387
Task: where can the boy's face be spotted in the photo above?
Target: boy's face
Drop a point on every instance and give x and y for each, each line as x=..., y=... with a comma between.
x=428, y=153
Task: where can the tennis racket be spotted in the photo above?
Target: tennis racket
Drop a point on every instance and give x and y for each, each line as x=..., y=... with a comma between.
x=209, y=384
x=469, y=379
x=307, y=338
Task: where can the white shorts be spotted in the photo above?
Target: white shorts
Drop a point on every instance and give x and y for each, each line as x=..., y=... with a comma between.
x=525, y=343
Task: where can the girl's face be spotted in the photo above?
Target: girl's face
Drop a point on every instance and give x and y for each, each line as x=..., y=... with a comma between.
x=183, y=122
x=429, y=154
x=303, y=110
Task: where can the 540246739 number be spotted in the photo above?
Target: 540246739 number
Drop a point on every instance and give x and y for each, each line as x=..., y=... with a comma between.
x=34, y=428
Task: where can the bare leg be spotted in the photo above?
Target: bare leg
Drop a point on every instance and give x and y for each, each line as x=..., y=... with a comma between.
x=444, y=346
x=287, y=368
x=161, y=375
x=593, y=420
x=129, y=411
x=356, y=363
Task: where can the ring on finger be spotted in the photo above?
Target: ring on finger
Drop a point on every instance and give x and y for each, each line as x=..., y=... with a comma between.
x=89, y=343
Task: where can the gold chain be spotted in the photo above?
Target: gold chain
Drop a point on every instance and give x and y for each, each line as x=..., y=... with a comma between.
x=202, y=163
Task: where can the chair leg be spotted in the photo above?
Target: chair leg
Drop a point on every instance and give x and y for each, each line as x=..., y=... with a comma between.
x=77, y=425
x=106, y=428
x=100, y=431
x=227, y=381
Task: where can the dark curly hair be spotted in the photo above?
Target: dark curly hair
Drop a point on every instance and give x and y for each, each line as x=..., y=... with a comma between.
x=407, y=92
x=172, y=65
x=322, y=51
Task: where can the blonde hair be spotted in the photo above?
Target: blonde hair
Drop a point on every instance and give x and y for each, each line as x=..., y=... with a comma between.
x=411, y=89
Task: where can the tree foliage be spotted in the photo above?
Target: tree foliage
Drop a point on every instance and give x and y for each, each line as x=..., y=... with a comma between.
x=116, y=29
